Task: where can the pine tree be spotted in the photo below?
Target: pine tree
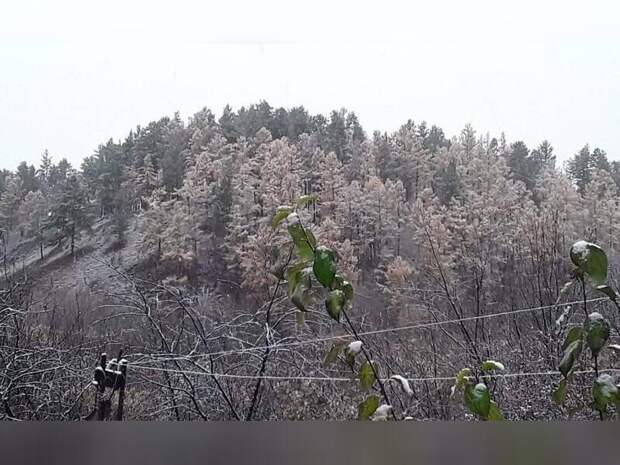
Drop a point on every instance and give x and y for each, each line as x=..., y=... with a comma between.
x=154, y=222
x=601, y=209
x=413, y=162
x=70, y=212
x=330, y=182
x=579, y=168
x=45, y=170
x=33, y=215
x=280, y=181
x=9, y=205
x=228, y=124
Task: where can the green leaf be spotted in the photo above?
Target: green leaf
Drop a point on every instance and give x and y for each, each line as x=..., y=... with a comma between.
x=345, y=286
x=366, y=408
x=334, y=304
x=492, y=365
x=597, y=332
x=350, y=359
x=462, y=378
x=300, y=237
x=478, y=399
x=281, y=214
x=333, y=353
x=570, y=356
x=304, y=200
x=574, y=334
x=591, y=260
x=559, y=395
x=292, y=279
x=604, y=392
x=296, y=274
x=324, y=266
x=495, y=414
x=310, y=238
x=367, y=375
x=301, y=298
x=299, y=284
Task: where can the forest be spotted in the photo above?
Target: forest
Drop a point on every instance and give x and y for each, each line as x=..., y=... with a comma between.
x=271, y=264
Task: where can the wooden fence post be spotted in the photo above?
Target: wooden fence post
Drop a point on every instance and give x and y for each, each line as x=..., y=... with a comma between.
x=109, y=377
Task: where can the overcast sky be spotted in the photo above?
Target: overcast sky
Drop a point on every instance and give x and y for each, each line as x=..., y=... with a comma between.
x=75, y=73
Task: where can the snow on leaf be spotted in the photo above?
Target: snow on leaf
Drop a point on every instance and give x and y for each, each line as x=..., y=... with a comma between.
x=580, y=249
x=492, y=365
x=292, y=219
x=382, y=412
x=355, y=347
x=562, y=318
x=404, y=383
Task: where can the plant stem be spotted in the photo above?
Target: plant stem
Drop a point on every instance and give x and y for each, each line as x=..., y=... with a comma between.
x=372, y=365
x=585, y=301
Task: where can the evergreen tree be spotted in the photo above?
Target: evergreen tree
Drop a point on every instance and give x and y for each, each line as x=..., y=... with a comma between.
x=579, y=168
x=33, y=215
x=69, y=211
x=27, y=177
x=9, y=205
x=45, y=171
x=543, y=157
x=228, y=124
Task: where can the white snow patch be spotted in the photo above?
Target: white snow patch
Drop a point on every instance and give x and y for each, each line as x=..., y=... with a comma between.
x=404, y=384
x=595, y=316
x=355, y=347
x=382, y=412
x=562, y=318
x=580, y=248
x=292, y=219
x=498, y=365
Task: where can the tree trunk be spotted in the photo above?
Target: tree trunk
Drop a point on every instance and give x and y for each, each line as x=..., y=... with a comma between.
x=73, y=241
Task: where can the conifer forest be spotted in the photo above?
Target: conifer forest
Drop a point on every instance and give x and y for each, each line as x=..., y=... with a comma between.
x=268, y=263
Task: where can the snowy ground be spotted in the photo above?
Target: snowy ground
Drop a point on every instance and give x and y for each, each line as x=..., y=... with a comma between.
x=59, y=270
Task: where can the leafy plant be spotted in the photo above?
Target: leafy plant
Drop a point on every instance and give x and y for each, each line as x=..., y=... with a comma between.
x=591, y=264
x=317, y=265
x=476, y=395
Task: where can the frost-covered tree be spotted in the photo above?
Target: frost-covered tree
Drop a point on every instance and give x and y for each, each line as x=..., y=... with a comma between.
x=280, y=181
x=601, y=209
x=329, y=183
x=33, y=213
x=9, y=204
x=70, y=212
x=154, y=222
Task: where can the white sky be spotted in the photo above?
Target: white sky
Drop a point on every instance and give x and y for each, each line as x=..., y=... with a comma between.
x=75, y=73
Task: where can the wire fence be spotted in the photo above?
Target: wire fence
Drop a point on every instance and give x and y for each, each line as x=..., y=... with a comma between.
x=355, y=379
x=165, y=357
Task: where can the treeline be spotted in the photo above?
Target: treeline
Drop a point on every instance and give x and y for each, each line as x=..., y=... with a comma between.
x=209, y=185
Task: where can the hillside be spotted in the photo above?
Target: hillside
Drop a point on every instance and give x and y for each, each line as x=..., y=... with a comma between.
x=272, y=264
